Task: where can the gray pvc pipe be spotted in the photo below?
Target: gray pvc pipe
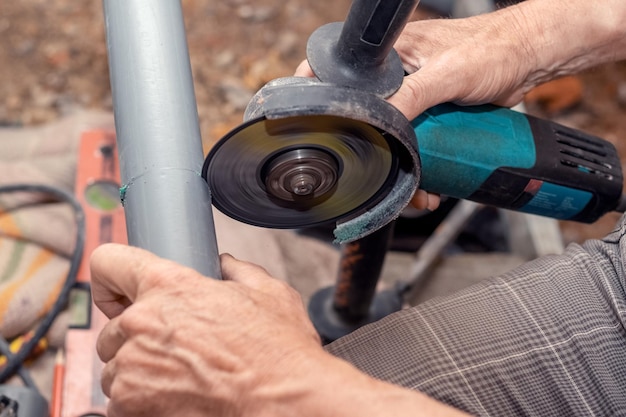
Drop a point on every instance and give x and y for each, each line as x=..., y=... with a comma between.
x=166, y=201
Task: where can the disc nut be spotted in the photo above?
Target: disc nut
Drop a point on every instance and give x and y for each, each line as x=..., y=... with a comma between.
x=303, y=184
x=300, y=174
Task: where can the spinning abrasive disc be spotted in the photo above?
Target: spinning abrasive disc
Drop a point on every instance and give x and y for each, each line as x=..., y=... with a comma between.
x=310, y=153
x=300, y=171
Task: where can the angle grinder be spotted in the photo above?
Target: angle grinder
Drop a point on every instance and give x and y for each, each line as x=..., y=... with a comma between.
x=332, y=149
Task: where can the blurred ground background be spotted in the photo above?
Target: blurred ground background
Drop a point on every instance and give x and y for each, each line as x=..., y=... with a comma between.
x=53, y=62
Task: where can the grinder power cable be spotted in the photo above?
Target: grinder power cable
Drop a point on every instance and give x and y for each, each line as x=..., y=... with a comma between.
x=331, y=149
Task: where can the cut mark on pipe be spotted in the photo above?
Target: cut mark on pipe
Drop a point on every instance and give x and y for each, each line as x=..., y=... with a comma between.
x=125, y=187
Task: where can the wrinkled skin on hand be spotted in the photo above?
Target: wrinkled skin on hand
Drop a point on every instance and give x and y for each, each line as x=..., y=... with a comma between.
x=175, y=346
x=466, y=61
x=500, y=56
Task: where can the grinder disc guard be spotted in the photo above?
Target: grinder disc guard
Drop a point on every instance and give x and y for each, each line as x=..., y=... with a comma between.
x=300, y=171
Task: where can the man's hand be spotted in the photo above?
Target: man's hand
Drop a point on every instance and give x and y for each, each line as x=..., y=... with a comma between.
x=467, y=61
x=498, y=57
x=179, y=343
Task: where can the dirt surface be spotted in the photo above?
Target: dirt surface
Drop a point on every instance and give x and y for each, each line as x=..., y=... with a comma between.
x=57, y=62
x=54, y=62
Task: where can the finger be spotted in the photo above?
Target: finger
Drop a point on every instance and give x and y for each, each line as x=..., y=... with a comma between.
x=419, y=91
x=420, y=200
x=107, y=376
x=423, y=200
x=304, y=70
x=110, y=340
x=433, y=202
x=116, y=271
x=113, y=410
x=246, y=273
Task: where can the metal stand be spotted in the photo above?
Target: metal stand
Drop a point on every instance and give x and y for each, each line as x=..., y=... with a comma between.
x=166, y=201
x=430, y=252
x=339, y=310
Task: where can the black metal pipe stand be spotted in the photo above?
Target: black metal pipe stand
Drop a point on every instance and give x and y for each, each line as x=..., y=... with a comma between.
x=353, y=301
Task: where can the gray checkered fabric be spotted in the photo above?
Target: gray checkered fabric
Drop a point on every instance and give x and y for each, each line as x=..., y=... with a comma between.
x=546, y=339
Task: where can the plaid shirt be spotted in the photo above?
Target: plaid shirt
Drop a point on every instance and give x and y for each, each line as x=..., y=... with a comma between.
x=546, y=339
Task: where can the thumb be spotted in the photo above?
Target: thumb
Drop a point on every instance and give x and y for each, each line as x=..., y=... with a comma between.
x=116, y=272
x=304, y=70
x=246, y=273
x=419, y=91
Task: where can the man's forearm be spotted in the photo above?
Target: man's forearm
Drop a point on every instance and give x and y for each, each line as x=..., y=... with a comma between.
x=340, y=390
x=568, y=36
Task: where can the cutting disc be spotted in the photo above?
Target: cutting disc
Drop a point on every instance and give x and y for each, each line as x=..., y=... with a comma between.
x=300, y=171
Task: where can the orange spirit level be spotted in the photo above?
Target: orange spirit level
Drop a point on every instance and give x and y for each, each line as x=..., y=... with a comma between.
x=97, y=189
